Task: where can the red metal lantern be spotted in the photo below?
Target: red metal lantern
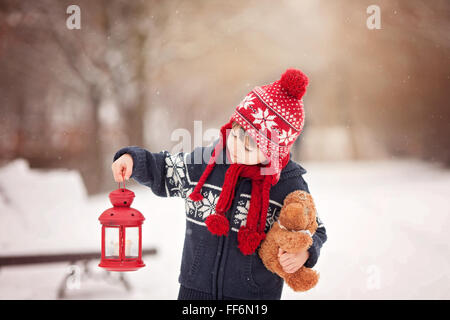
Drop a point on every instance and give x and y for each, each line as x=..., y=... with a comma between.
x=121, y=233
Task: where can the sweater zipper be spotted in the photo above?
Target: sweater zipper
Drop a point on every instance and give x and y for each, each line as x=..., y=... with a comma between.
x=228, y=215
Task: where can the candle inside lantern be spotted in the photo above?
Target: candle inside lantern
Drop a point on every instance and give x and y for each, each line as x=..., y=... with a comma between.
x=128, y=246
x=112, y=243
x=114, y=247
x=132, y=243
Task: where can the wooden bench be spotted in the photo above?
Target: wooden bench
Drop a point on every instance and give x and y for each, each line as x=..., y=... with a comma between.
x=72, y=259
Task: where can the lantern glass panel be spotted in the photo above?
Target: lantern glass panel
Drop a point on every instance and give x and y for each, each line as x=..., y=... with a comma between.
x=131, y=242
x=112, y=243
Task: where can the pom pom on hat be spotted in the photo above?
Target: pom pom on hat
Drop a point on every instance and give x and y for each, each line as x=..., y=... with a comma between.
x=295, y=82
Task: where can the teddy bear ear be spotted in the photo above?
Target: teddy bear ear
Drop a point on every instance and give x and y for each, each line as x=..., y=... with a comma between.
x=296, y=196
x=291, y=197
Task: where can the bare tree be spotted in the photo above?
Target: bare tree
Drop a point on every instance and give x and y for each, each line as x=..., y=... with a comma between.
x=104, y=61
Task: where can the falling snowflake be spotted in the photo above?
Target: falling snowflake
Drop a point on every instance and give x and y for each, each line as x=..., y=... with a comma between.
x=264, y=119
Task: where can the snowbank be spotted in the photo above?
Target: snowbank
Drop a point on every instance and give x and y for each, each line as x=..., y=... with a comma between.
x=39, y=209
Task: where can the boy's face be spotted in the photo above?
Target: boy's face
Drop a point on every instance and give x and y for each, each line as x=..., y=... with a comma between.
x=243, y=148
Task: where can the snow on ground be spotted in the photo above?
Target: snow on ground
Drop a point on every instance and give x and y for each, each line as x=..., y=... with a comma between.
x=386, y=222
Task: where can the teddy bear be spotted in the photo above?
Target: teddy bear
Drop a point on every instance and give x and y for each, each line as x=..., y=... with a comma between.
x=293, y=233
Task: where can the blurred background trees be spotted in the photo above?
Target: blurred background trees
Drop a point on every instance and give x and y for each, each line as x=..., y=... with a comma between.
x=137, y=70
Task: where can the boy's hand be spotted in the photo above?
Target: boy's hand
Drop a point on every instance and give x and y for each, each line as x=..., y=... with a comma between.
x=123, y=166
x=291, y=262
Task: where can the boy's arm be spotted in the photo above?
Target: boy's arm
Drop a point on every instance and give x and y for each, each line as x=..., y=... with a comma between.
x=162, y=172
x=319, y=237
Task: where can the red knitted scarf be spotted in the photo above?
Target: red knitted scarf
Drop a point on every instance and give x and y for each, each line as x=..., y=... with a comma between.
x=250, y=235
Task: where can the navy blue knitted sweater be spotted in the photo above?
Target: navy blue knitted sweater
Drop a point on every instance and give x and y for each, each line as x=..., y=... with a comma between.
x=211, y=264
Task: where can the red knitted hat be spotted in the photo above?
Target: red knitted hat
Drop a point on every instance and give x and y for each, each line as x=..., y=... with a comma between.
x=273, y=116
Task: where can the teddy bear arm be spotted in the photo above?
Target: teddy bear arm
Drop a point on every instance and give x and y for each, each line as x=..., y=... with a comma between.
x=313, y=226
x=293, y=242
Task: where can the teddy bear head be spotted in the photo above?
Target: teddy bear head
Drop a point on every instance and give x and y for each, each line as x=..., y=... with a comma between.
x=298, y=212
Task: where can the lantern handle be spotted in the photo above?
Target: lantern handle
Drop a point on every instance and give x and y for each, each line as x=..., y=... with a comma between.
x=123, y=179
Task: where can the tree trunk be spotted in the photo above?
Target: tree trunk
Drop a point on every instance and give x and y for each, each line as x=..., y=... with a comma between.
x=93, y=167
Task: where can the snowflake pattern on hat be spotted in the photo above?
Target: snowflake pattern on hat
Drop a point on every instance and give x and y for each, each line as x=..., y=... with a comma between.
x=287, y=137
x=264, y=119
x=247, y=101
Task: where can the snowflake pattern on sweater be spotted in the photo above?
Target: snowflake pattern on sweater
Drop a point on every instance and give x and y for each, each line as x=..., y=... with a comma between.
x=240, y=217
x=178, y=185
x=175, y=175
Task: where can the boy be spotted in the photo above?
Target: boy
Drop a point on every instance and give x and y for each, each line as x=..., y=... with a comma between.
x=233, y=199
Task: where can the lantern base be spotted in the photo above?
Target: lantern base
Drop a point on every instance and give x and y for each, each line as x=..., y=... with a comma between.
x=121, y=266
